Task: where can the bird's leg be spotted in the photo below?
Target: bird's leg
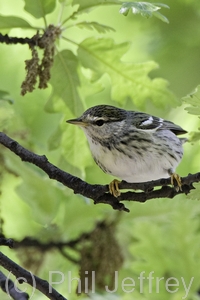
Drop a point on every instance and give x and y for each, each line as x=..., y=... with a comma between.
x=177, y=178
x=114, y=188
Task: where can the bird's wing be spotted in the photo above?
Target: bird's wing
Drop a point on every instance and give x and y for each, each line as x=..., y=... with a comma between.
x=148, y=122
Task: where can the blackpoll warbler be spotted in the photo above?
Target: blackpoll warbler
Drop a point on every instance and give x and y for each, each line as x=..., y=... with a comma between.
x=134, y=146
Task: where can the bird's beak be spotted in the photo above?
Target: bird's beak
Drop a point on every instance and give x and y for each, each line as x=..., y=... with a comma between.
x=78, y=122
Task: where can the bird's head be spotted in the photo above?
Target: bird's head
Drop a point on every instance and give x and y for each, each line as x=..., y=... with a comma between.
x=101, y=121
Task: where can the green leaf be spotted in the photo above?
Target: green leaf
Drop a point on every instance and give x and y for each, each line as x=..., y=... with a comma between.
x=40, y=193
x=87, y=214
x=146, y=9
x=39, y=8
x=20, y=213
x=194, y=136
x=94, y=25
x=86, y=5
x=6, y=110
x=182, y=238
x=5, y=96
x=160, y=16
x=86, y=87
x=195, y=193
x=8, y=22
x=65, y=81
x=55, y=139
x=193, y=99
x=43, y=204
x=128, y=79
x=74, y=148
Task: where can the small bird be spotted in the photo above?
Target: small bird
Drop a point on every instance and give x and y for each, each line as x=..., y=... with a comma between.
x=133, y=146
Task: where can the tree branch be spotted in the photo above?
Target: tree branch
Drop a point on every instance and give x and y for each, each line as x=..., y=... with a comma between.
x=36, y=282
x=6, y=242
x=39, y=40
x=99, y=193
x=8, y=286
x=15, y=40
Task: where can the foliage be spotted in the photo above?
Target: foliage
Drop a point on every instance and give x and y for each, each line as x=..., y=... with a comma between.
x=193, y=100
x=100, y=57
x=144, y=8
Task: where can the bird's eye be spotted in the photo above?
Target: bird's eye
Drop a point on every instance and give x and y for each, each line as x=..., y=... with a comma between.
x=99, y=122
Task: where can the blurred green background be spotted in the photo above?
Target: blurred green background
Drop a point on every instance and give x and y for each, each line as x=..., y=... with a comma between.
x=161, y=235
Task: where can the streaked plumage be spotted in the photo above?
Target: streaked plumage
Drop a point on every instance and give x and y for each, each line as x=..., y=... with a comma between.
x=132, y=146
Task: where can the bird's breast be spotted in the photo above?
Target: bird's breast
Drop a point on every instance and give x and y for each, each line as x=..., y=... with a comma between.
x=133, y=163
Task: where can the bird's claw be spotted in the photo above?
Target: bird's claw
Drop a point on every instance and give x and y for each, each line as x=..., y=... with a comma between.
x=114, y=188
x=177, y=178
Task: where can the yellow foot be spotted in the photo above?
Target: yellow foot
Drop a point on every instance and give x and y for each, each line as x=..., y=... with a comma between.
x=176, y=177
x=114, y=188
